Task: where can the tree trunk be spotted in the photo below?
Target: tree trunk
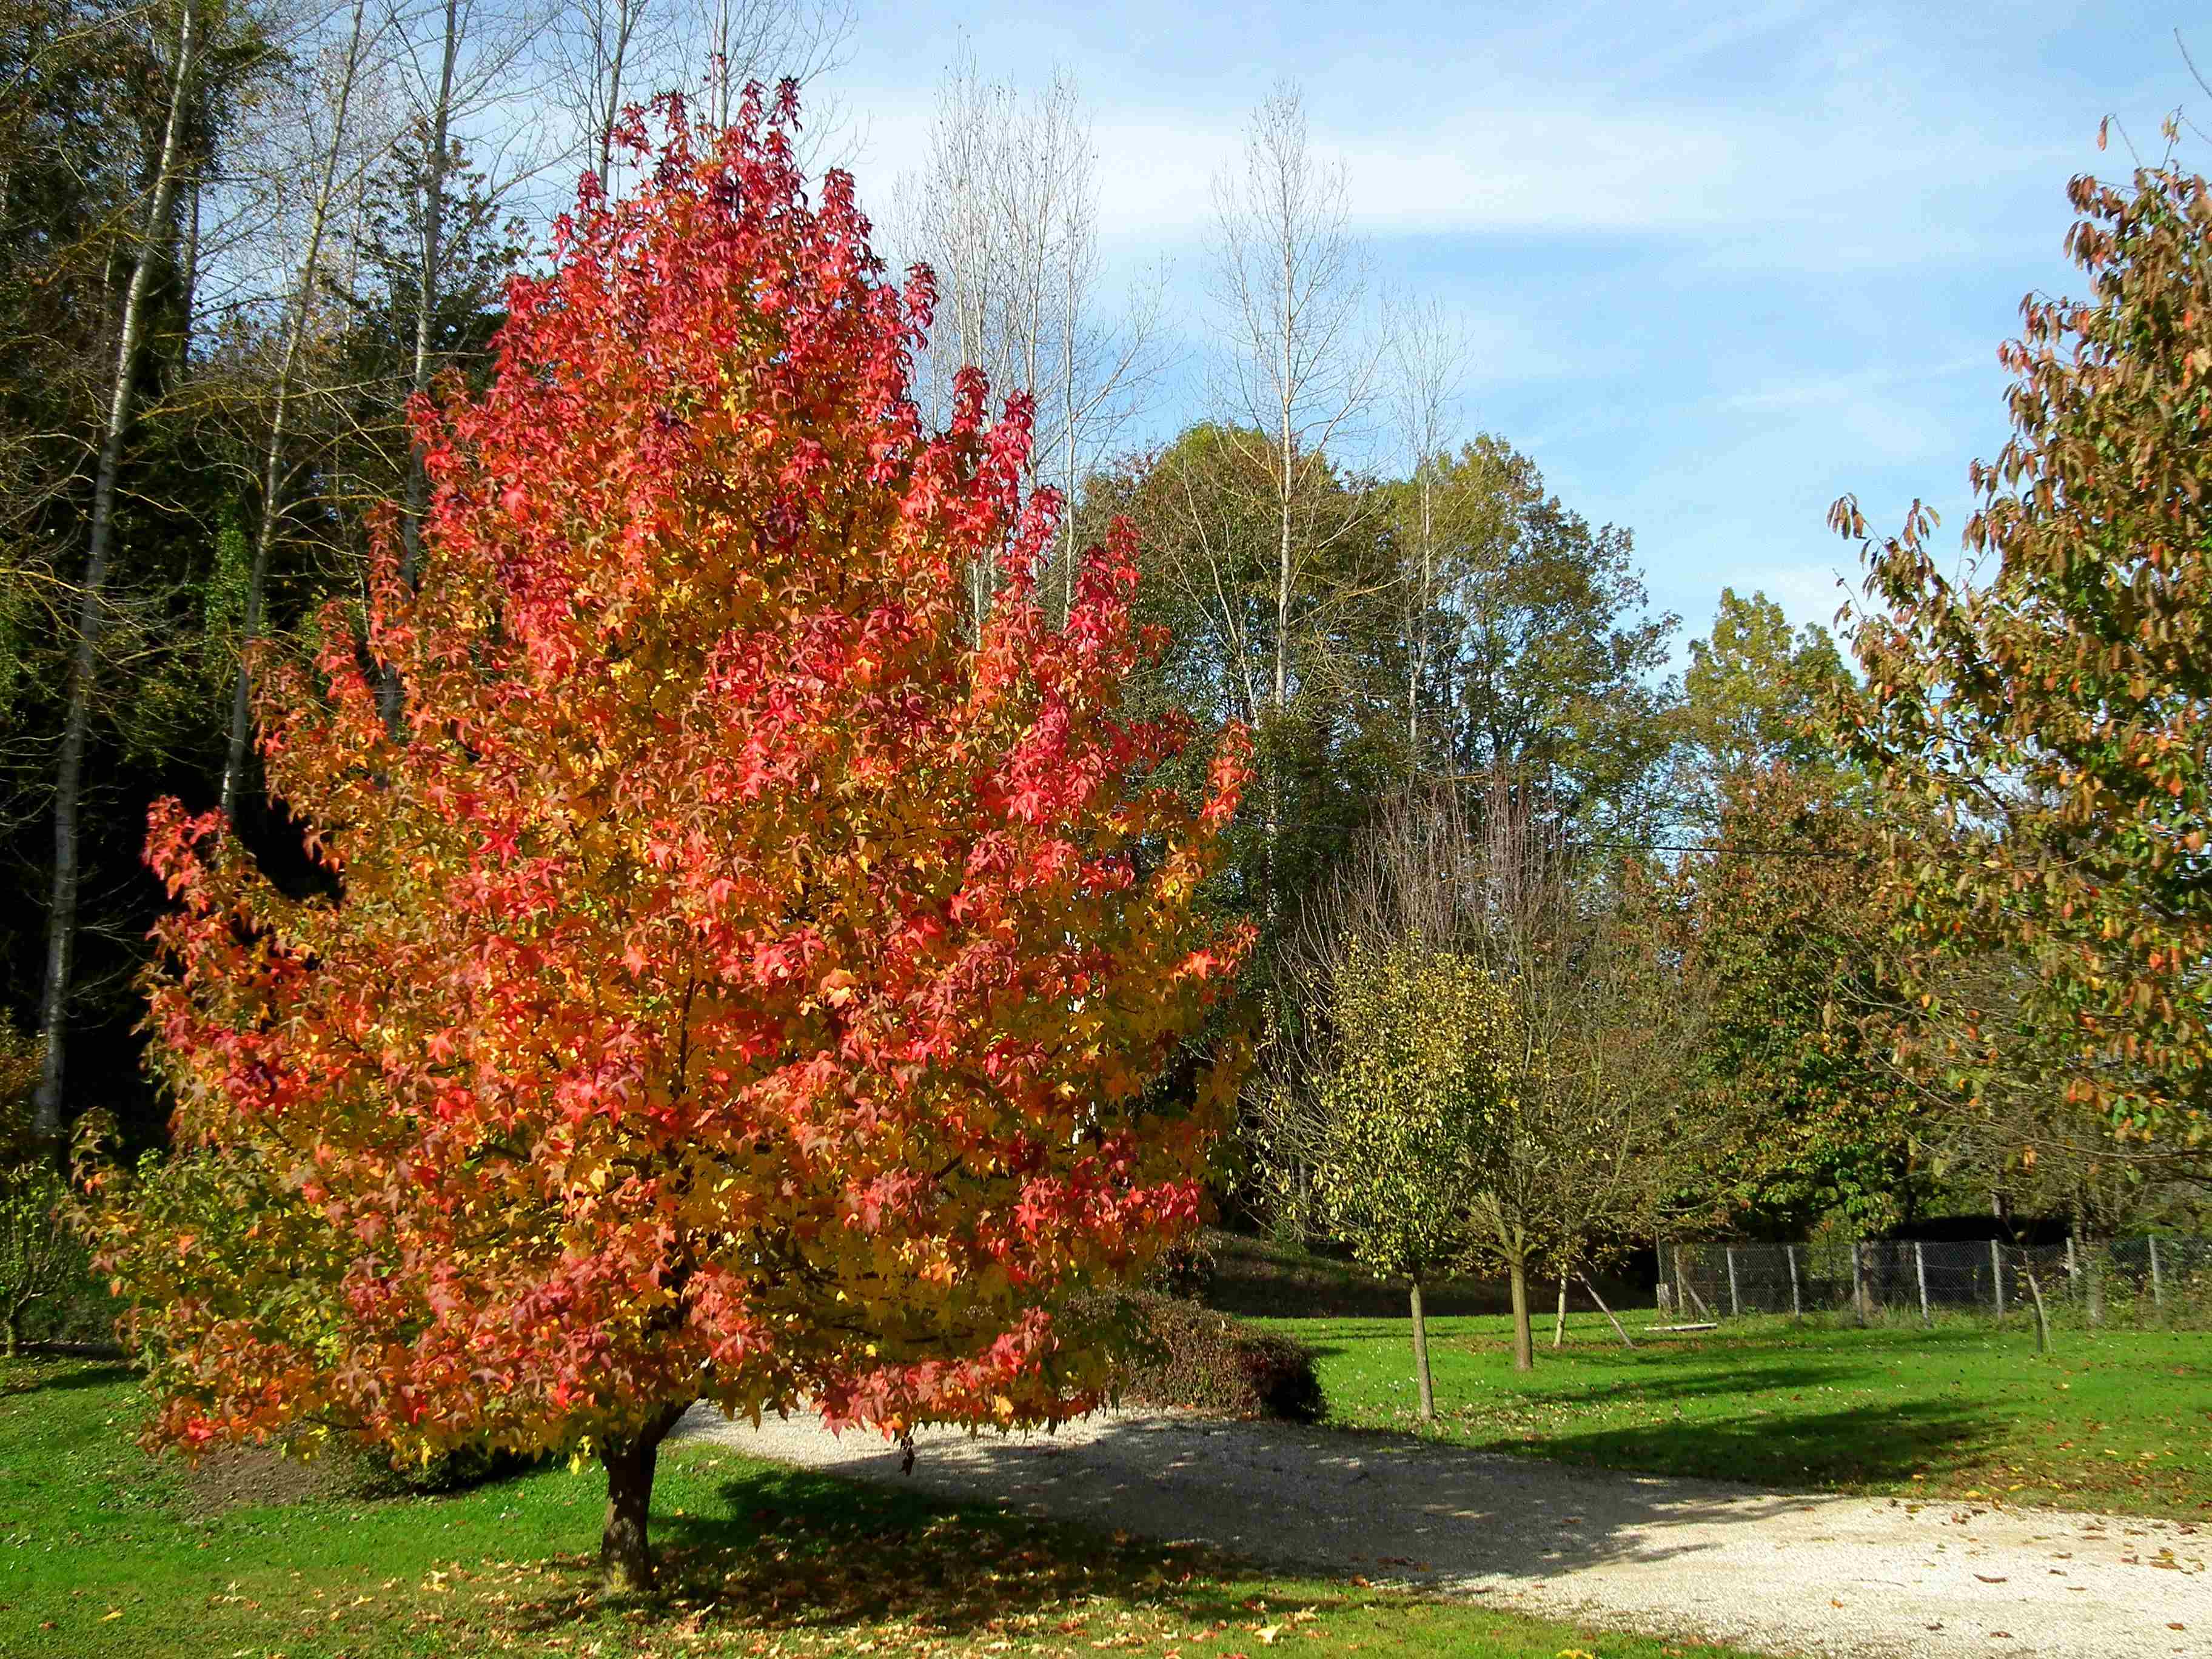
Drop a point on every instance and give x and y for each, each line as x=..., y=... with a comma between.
x=191, y=277
x=2042, y=1320
x=625, y=1553
x=390, y=693
x=92, y=604
x=1421, y=1358
x=1525, y=1337
x=1559, y=1326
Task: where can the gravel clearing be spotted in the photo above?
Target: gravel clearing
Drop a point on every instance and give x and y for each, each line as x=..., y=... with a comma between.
x=1773, y=1571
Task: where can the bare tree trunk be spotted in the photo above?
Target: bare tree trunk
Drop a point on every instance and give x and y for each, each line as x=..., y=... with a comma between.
x=272, y=461
x=1421, y=1358
x=1559, y=1326
x=1524, y=1338
x=192, y=279
x=1416, y=640
x=1290, y=274
x=1070, y=300
x=2042, y=1321
x=625, y=1550
x=434, y=254
x=1429, y=354
x=68, y=782
x=1280, y=689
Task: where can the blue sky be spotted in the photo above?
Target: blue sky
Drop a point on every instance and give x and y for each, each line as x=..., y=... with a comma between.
x=1720, y=265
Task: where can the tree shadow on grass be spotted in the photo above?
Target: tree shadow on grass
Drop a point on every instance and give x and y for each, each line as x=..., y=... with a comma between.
x=1864, y=1447
x=85, y=1374
x=805, y=1554
x=1554, y=1386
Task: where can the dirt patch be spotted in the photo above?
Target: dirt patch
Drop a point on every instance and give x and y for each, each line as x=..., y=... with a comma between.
x=240, y=1477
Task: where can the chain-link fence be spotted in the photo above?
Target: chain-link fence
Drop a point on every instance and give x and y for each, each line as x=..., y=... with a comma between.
x=2154, y=1281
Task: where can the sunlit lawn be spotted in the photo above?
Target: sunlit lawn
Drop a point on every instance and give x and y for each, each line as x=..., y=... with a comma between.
x=2116, y=1420
x=105, y=1557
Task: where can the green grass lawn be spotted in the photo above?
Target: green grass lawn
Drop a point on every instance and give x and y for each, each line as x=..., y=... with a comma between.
x=2119, y=1420
x=104, y=1552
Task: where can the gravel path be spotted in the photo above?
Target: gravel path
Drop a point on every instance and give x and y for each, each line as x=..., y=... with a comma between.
x=1770, y=1571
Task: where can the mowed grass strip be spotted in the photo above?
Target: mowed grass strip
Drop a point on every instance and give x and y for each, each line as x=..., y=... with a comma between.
x=2113, y=1420
x=106, y=1552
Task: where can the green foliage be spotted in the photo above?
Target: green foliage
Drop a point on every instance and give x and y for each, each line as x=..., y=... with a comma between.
x=1758, y=695
x=1781, y=932
x=45, y=1282
x=1413, y=1108
x=39, y=1257
x=1547, y=666
x=1211, y=558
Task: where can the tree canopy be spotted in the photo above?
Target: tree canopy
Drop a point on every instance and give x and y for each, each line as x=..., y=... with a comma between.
x=2053, y=717
x=734, y=981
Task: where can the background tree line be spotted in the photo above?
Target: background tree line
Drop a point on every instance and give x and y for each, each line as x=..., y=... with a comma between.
x=236, y=238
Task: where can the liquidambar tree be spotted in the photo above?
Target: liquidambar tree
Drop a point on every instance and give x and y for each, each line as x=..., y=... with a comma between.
x=738, y=982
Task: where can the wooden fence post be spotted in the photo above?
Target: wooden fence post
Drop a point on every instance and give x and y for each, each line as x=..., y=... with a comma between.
x=1920, y=1268
x=1996, y=1278
x=1858, y=1281
x=1796, y=1296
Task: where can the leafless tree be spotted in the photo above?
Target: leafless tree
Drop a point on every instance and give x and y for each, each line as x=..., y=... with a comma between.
x=609, y=54
x=1427, y=360
x=1294, y=375
x=166, y=166
x=1004, y=210
x=461, y=66
x=731, y=43
x=1289, y=277
x=336, y=158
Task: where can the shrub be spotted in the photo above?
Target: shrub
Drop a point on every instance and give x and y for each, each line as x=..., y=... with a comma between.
x=41, y=1258
x=1186, y=1355
x=369, y=1471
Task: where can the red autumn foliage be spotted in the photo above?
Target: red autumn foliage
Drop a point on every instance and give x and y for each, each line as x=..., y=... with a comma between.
x=743, y=982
